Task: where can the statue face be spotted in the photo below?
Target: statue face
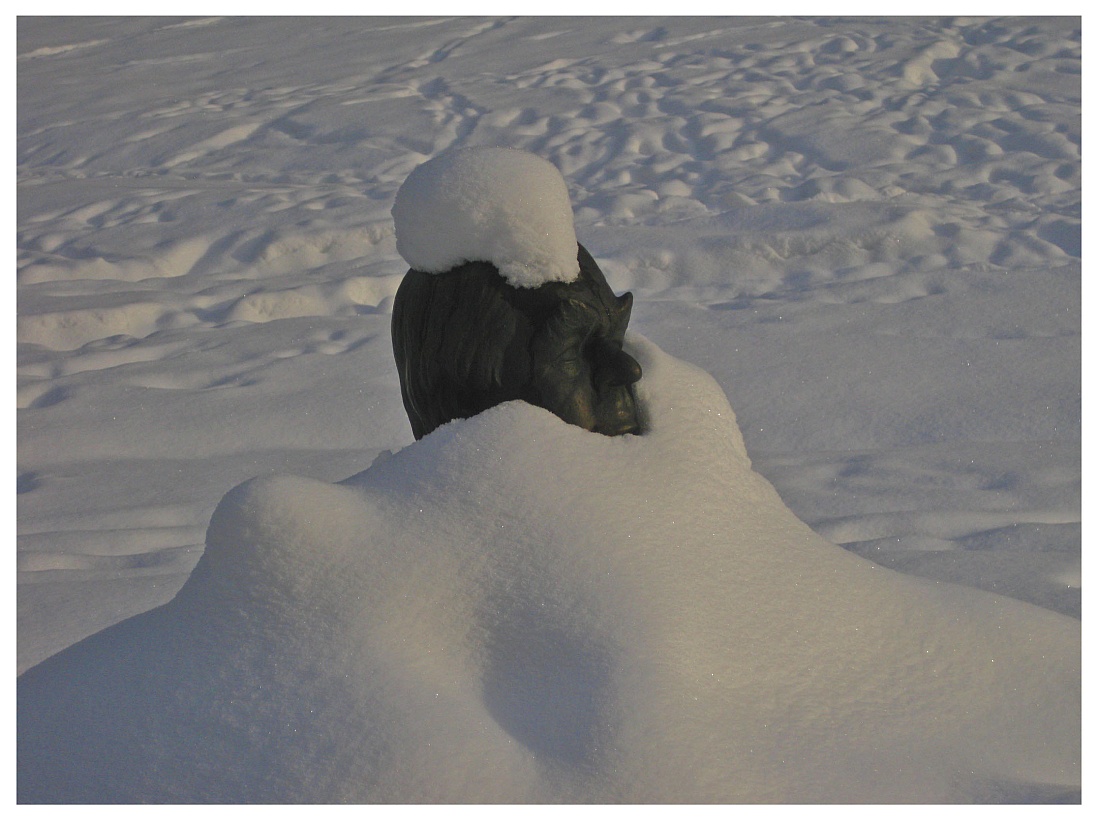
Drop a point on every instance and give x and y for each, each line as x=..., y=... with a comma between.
x=579, y=370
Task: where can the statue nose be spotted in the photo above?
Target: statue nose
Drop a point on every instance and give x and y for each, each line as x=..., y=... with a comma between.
x=614, y=368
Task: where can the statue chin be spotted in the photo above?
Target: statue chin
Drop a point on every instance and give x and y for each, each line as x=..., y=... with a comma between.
x=625, y=421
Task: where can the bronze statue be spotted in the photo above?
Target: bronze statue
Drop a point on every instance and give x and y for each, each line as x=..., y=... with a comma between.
x=466, y=340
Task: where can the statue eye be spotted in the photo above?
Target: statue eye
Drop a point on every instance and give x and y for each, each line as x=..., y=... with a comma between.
x=571, y=367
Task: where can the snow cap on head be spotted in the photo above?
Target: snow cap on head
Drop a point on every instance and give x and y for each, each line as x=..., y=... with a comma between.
x=504, y=206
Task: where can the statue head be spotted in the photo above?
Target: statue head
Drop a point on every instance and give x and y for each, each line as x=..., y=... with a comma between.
x=466, y=340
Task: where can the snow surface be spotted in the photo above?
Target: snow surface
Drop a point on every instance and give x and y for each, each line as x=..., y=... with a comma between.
x=866, y=231
x=500, y=205
x=643, y=620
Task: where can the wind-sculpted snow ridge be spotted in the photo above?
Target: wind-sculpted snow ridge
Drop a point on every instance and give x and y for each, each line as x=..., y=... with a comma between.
x=515, y=610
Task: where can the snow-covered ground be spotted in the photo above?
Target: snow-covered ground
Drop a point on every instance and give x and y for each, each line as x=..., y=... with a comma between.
x=867, y=232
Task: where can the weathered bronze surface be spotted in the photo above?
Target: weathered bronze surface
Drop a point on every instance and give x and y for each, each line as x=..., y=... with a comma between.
x=466, y=340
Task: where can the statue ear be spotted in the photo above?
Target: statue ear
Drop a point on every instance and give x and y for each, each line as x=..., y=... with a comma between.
x=625, y=303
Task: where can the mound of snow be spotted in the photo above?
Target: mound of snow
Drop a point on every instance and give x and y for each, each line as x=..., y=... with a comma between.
x=504, y=206
x=514, y=609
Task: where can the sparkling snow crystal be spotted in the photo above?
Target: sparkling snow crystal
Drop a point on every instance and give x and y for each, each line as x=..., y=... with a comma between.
x=504, y=206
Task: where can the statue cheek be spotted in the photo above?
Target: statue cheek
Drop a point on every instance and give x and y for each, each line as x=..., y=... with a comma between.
x=572, y=399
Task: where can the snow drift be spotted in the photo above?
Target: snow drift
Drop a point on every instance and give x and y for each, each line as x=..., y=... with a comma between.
x=516, y=610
